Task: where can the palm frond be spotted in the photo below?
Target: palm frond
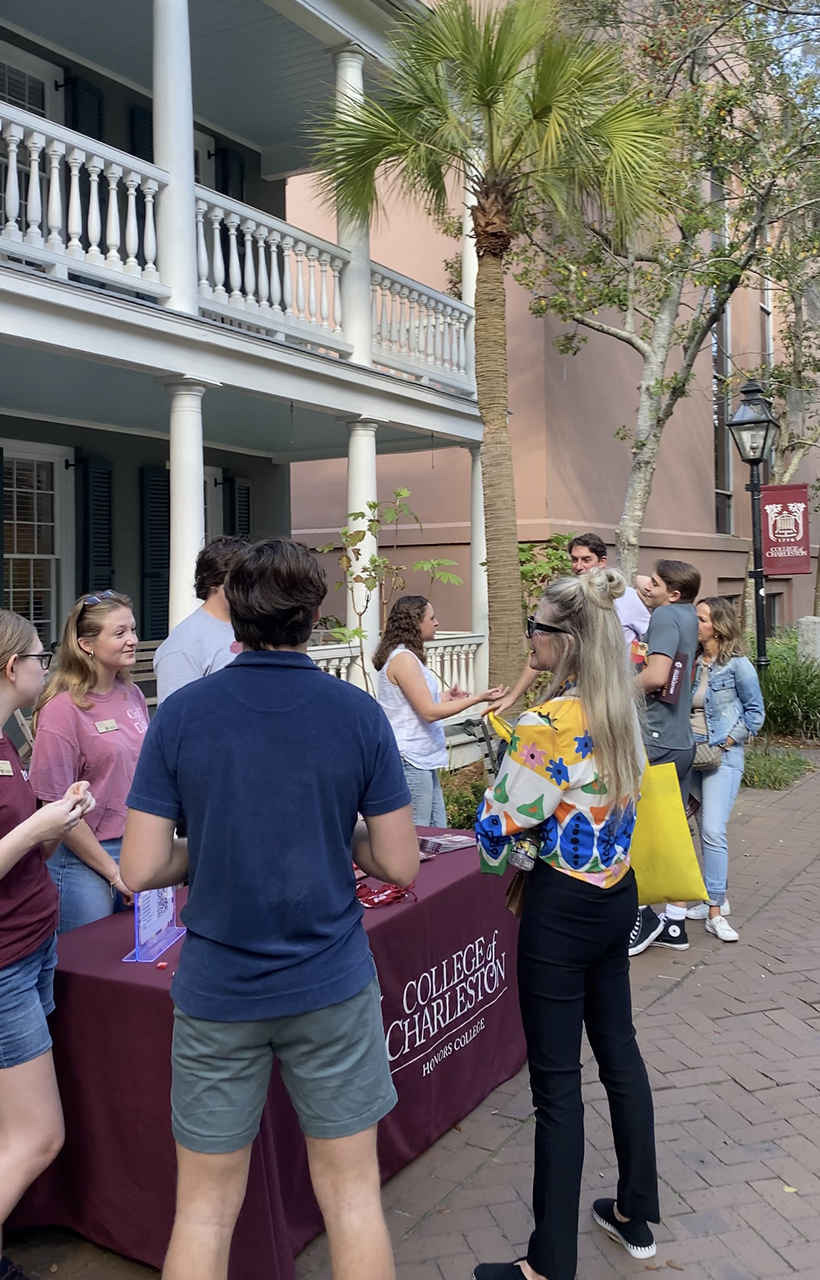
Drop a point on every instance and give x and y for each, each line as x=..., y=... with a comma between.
x=502, y=96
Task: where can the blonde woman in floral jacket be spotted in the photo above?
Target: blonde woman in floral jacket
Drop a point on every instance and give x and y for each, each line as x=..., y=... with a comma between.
x=568, y=788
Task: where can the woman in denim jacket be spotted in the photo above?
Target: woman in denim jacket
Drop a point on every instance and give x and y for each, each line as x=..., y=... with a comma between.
x=727, y=709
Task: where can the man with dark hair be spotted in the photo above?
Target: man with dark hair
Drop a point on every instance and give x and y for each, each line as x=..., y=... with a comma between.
x=671, y=643
x=269, y=762
x=586, y=551
x=204, y=641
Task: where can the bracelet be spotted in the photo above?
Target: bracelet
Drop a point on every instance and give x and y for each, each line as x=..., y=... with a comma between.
x=116, y=878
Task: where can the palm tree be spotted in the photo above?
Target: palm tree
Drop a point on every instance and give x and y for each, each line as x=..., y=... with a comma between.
x=498, y=102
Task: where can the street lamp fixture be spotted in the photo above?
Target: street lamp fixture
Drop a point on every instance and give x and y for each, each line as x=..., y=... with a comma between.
x=754, y=430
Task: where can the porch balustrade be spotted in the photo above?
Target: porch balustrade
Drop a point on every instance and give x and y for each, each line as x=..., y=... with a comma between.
x=419, y=332
x=451, y=657
x=260, y=273
x=76, y=207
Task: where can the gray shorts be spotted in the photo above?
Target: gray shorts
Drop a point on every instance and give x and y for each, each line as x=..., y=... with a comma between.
x=333, y=1062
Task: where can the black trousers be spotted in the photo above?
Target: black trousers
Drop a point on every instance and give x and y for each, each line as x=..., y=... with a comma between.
x=573, y=971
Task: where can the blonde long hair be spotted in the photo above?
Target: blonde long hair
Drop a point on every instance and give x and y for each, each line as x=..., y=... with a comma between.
x=76, y=672
x=594, y=655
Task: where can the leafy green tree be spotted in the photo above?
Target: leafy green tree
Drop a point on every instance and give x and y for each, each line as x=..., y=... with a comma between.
x=745, y=152
x=500, y=102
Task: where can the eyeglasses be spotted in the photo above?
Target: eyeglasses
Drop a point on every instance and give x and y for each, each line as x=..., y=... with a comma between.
x=533, y=626
x=90, y=600
x=44, y=659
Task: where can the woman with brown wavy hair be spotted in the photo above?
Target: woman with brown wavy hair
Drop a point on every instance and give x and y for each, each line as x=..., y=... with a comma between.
x=89, y=725
x=415, y=706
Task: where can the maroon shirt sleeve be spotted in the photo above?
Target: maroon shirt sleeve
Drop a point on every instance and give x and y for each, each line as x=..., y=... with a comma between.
x=28, y=898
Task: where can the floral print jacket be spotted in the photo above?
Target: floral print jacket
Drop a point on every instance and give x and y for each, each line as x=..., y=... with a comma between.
x=548, y=780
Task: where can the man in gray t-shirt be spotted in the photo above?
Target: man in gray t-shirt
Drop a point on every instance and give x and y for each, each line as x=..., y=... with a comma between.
x=204, y=641
x=671, y=643
x=673, y=634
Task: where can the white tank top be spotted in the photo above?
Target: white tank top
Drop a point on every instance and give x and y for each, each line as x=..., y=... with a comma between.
x=420, y=744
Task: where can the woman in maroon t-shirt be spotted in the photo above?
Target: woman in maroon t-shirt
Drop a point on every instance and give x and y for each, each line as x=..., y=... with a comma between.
x=90, y=724
x=31, y=1120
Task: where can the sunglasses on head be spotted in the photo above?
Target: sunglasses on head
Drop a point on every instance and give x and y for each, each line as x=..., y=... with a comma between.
x=533, y=626
x=92, y=600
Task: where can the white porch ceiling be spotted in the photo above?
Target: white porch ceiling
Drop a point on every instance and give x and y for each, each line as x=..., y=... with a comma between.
x=64, y=388
x=257, y=75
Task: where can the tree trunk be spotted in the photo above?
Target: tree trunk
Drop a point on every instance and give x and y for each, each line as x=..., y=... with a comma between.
x=638, y=489
x=653, y=414
x=503, y=570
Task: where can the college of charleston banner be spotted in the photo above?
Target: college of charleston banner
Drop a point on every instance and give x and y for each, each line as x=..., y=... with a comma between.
x=784, y=511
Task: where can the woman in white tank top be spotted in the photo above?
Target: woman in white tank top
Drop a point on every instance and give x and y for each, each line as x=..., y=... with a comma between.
x=413, y=703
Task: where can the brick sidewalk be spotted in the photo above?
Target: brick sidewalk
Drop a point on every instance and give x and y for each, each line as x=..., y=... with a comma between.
x=731, y=1036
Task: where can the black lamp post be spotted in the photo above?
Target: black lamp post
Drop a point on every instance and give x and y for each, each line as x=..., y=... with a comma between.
x=754, y=431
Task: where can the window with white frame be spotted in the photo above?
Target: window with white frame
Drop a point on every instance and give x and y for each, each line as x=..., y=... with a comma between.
x=37, y=537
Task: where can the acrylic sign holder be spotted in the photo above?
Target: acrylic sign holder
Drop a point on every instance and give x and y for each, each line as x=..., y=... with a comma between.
x=155, y=925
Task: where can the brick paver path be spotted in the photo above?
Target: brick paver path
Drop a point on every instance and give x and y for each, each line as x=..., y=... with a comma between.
x=731, y=1036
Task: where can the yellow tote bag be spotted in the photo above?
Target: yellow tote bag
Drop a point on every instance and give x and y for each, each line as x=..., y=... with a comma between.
x=662, y=854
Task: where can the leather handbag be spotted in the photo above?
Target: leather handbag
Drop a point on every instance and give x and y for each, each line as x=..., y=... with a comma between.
x=516, y=893
x=706, y=756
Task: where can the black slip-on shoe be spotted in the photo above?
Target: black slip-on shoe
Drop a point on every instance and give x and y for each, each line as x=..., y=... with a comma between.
x=10, y=1271
x=635, y=1237
x=498, y=1271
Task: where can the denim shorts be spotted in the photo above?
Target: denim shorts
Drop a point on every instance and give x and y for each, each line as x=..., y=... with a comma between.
x=26, y=1000
x=333, y=1062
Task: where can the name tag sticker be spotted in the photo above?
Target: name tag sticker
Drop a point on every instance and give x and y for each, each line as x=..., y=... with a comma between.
x=105, y=726
x=6, y=770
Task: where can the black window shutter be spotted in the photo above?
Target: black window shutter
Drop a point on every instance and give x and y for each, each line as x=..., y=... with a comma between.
x=142, y=134
x=155, y=532
x=86, y=108
x=97, y=505
x=229, y=173
x=237, y=506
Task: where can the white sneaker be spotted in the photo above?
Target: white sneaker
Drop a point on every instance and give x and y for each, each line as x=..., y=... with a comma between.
x=701, y=911
x=721, y=928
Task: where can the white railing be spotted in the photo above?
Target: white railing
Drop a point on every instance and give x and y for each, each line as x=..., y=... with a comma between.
x=77, y=207
x=258, y=272
x=335, y=659
x=451, y=657
x=420, y=332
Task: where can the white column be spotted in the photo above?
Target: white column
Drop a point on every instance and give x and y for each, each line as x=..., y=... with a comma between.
x=174, y=151
x=480, y=607
x=349, y=63
x=361, y=489
x=469, y=275
x=469, y=257
x=187, y=492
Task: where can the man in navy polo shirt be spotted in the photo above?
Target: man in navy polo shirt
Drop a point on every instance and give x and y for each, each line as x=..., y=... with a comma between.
x=269, y=762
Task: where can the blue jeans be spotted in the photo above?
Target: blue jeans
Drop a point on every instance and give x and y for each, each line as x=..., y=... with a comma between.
x=426, y=795
x=85, y=895
x=26, y=1000
x=717, y=791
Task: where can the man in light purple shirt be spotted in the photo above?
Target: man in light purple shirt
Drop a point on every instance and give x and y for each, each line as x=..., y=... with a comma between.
x=587, y=551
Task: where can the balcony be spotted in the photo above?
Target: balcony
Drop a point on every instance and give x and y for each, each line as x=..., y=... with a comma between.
x=81, y=211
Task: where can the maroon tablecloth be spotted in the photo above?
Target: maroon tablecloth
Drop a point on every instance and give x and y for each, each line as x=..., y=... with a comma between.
x=447, y=970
